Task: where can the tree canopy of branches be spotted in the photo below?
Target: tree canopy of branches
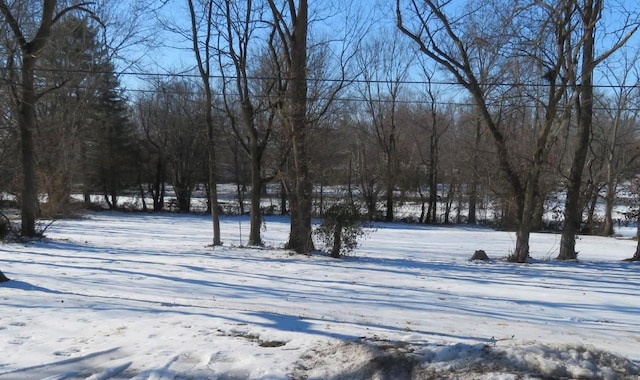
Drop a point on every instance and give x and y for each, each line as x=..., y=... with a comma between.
x=26, y=97
x=481, y=58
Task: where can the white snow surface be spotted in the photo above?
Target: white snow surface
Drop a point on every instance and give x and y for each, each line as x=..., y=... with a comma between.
x=145, y=296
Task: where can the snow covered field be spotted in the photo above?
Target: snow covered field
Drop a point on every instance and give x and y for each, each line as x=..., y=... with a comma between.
x=121, y=296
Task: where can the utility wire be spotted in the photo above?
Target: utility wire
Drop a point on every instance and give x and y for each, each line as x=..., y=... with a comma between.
x=353, y=99
x=187, y=75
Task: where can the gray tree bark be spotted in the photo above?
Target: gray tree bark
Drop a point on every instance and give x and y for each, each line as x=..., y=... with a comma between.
x=203, y=60
x=294, y=39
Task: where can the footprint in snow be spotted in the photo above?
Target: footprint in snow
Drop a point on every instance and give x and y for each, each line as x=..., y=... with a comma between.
x=68, y=352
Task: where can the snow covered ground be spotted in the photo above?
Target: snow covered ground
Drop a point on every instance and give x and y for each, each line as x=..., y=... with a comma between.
x=142, y=296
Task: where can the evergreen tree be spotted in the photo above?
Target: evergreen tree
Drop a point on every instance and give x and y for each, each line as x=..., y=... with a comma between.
x=68, y=65
x=85, y=135
x=112, y=150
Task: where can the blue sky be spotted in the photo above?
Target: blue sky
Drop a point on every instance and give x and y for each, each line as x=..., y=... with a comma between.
x=174, y=54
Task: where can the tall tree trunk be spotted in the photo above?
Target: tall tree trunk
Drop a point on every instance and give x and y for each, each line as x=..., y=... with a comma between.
x=337, y=240
x=240, y=187
x=203, y=60
x=389, y=204
x=449, y=201
x=145, y=208
x=283, y=198
x=158, y=189
x=300, y=239
x=213, y=183
x=26, y=124
x=609, y=200
x=473, y=193
x=526, y=207
x=573, y=209
x=256, y=191
x=591, y=201
x=612, y=183
x=182, y=191
x=537, y=223
x=212, y=166
x=432, y=210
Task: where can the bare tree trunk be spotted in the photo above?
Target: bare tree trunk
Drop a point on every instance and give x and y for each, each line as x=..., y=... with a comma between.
x=525, y=210
x=26, y=124
x=449, y=201
x=256, y=191
x=591, y=201
x=182, y=191
x=157, y=189
x=573, y=209
x=473, y=193
x=609, y=200
x=473, y=201
x=213, y=184
x=240, y=188
x=145, y=208
x=521, y=252
x=636, y=255
x=203, y=60
x=389, y=204
x=295, y=39
x=537, y=222
x=612, y=183
x=391, y=166
x=432, y=210
x=283, y=198
x=423, y=207
x=337, y=240
x=433, y=175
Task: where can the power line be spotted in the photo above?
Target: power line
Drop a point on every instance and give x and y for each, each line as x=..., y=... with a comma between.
x=195, y=76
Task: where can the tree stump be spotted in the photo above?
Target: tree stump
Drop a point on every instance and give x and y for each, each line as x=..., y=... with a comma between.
x=3, y=278
x=480, y=255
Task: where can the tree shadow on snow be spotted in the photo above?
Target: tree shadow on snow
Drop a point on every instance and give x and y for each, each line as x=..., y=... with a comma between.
x=102, y=364
x=23, y=285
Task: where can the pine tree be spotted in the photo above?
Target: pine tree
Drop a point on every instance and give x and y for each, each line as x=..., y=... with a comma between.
x=68, y=66
x=112, y=150
x=85, y=135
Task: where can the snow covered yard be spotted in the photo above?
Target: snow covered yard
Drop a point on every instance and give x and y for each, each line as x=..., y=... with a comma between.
x=121, y=296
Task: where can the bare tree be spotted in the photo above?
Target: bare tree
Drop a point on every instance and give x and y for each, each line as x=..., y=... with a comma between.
x=28, y=95
x=252, y=132
x=479, y=59
x=385, y=63
x=291, y=22
x=171, y=123
x=202, y=49
x=590, y=15
x=436, y=125
x=153, y=168
x=616, y=131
